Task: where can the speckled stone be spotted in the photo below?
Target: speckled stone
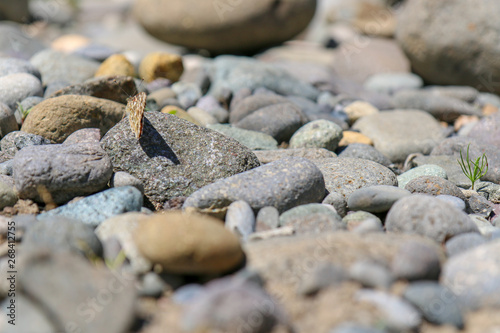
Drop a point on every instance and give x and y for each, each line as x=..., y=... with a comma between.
x=16, y=87
x=317, y=134
x=453, y=200
x=366, y=152
x=312, y=218
x=375, y=199
x=416, y=261
x=173, y=157
x=240, y=219
x=338, y=201
x=464, y=242
x=116, y=64
x=267, y=219
x=433, y=185
x=251, y=139
x=283, y=184
x=268, y=156
x=423, y=170
x=353, y=220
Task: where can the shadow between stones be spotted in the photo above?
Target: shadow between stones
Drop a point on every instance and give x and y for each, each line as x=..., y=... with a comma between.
x=154, y=145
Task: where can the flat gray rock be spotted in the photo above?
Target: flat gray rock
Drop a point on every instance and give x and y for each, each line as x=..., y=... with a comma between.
x=317, y=134
x=251, y=139
x=16, y=65
x=312, y=218
x=16, y=87
x=174, y=157
x=375, y=199
x=433, y=185
x=423, y=170
x=64, y=171
x=268, y=156
x=449, y=164
x=366, y=152
x=283, y=184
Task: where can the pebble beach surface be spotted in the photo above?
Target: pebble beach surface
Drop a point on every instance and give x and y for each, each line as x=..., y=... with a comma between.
x=295, y=172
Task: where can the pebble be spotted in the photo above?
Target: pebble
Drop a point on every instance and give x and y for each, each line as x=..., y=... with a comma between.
x=24, y=107
x=188, y=244
x=84, y=135
x=312, y=218
x=35, y=319
x=152, y=285
x=187, y=93
x=435, y=302
x=283, y=184
x=346, y=174
x=180, y=113
x=422, y=170
x=463, y=93
x=337, y=201
x=317, y=134
x=116, y=64
x=94, y=209
x=390, y=83
x=484, y=226
x=8, y=196
x=416, y=261
x=249, y=104
x=251, y=139
x=449, y=164
x=162, y=96
x=15, y=65
x=161, y=65
x=213, y=107
x=268, y=156
x=433, y=185
x=474, y=276
x=371, y=274
x=399, y=315
x=57, y=66
x=354, y=328
x=18, y=86
x=412, y=131
x=15, y=43
x=122, y=178
x=122, y=228
x=463, y=243
x=267, y=219
x=424, y=215
x=351, y=137
x=375, y=199
x=363, y=220
x=453, y=200
x=56, y=118
x=60, y=234
x=365, y=151
x=321, y=277
x=6, y=168
x=359, y=109
x=479, y=205
x=203, y=117
x=95, y=51
x=173, y=157
x=8, y=121
x=64, y=171
x=240, y=219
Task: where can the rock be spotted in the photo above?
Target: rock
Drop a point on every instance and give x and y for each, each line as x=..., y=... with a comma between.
x=85, y=135
x=234, y=73
x=8, y=196
x=122, y=227
x=424, y=215
x=486, y=131
x=355, y=220
x=8, y=121
x=63, y=234
x=15, y=42
x=358, y=110
x=114, y=88
x=413, y=131
x=354, y=328
x=463, y=243
x=485, y=227
x=251, y=139
x=320, y=278
x=364, y=151
x=95, y=51
x=240, y=219
x=351, y=137
x=180, y=113
x=24, y=108
x=162, y=96
x=57, y=66
x=481, y=266
x=248, y=105
x=267, y=219
x=56, y=118
x=35, y=319
x=433, y=185
x=435, y=302
x=463, y=93
x=212, y=106
x=422, y=170
x=17, y=86
x=15, y=65
x=375, y=199
x=116, y=64
x=280, y=121
x=480, y=205
x=94, y=209
x=187, y=93
x=312, y=218
x=449, y=164
x=371, y=275
x=283, y=184
x=416, y=261
x=347, y=174
x=161, y=65
x=317, y=134
x=222, y=27
x=426, y=30
x=453, y=200
x=61, y=171
x=398, y=314
x=122, y=178
x=268, y=156
x=203, y=117
x=338, y=202
x=188, y=244
x=59, y=280
x=389, y=83
x=189, y=156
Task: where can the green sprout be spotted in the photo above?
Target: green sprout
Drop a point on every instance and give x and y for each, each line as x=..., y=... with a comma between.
x=474, y=170
x=24, y=113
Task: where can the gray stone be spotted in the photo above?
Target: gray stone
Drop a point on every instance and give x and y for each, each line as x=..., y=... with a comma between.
x=251, y=139
x=63, y=171
x=57, y=66
x=280, y=121
x=433, y=185
x=249, y=104
x=354, y=328
x=464, y=242
x=463, y=93
x=15, y=42
x=449, y=164
x=84, y=135
x=355, y=220
x=364, y=151
x=488, y=189
x=375, y=199
x=317, y=134
x=8, y=196
x=268, y=218
x=8, y=121
x=213, y=107
x=422, y=170
x=269, y=156
x=173, y=157
x=201, y=116
x=321, y=277
x=187, y=93
x=346, y=175
x=95, y=51
x=122, y=178
x=416, y=261
x=412, y=131
x=485, y=227
x=453, y=200
x=15, y=65
x=435, y=302
x=240, y=219
x=24, y=107
x=6, y=168
x=441, y=107
x=64, y=234
x=312, y=218
x=338, y=202
x=474, y=276
x=96, y=208
x=152, y=285
x=424, y=215
x=234, y=73
x=389, y=83
x=16, y=140
x=371, y=274
x=480, y=205
x=283, y=184
x=485, y=98
x=35, y=320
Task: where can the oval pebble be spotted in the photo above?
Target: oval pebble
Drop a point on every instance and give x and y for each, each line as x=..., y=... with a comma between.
x=375, y=199
x=317, y=134
x=16, y=87
x=423, y=170
x=240, y=219
x=433, y=185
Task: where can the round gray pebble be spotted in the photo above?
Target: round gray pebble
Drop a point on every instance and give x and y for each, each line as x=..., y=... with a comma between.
x=464, y=242
x=317, y=134
x=240, y=219
x=375, y=199
x=267, y=219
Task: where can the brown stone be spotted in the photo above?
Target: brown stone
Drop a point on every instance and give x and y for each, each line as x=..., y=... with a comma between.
x=161, y=65
x=117, y=64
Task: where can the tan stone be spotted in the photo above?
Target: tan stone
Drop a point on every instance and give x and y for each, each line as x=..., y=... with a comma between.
x=177, y=111
x=117, y=64
x=69, y=43
x=161, y=65
x=188, y=243
x=359, y=109
x=354, y=137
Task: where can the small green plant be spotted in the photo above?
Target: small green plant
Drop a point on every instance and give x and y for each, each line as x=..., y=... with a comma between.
x=474, y=170
x=24, y=113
